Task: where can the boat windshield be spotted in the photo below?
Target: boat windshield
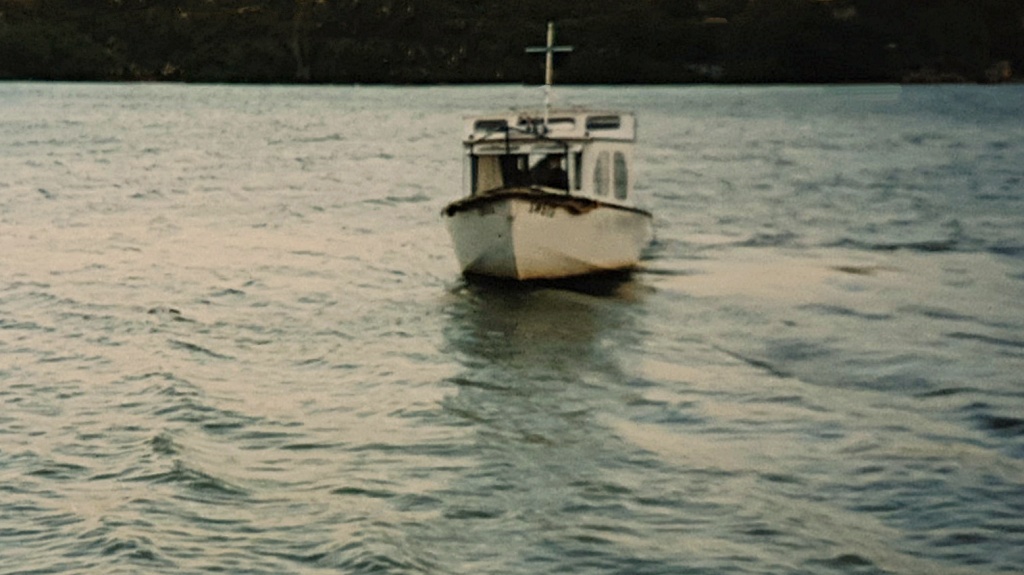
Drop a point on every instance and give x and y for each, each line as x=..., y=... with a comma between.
x=491, y=172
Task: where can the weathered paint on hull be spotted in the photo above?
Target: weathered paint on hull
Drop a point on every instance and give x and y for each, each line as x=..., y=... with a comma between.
x=523, y=239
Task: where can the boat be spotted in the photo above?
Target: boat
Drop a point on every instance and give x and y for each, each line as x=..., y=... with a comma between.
x=548, y=193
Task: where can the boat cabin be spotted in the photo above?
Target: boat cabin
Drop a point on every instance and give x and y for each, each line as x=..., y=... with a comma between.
x=583, y=153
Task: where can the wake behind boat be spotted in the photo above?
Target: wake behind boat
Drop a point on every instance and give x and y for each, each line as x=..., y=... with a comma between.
x=548, y=194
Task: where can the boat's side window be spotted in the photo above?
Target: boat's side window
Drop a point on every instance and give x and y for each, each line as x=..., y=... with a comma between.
x=601, y=176
x=577, y=170
x=621, y=176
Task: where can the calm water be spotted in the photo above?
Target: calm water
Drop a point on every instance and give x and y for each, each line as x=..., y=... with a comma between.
x=233, y=338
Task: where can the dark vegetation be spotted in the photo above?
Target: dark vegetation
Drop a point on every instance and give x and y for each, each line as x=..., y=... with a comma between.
x=449, y=41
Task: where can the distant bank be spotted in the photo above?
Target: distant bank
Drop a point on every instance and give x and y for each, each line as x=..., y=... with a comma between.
x=481, y=41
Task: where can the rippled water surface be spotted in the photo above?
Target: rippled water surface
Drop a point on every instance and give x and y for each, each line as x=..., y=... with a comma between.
x=233, y=338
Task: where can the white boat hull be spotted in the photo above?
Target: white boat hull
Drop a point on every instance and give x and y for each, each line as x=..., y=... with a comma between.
x=543, y=236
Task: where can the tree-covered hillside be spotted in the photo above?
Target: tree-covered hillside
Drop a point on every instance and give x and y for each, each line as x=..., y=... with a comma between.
x=416, y=41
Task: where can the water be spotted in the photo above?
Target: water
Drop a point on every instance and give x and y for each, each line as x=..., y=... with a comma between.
x=233, y=339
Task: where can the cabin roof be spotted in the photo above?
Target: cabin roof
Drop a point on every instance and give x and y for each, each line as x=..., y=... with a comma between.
x=580, y=125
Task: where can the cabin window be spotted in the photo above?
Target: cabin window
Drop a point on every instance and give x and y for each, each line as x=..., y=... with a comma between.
x=474, y=169
x=490, y=126
x=604, y=123
x=601, y=177
x=515, y=170
x=536, y=125
x=487, y=173
x=549, y=170
x=621, y=176
x=577, y=170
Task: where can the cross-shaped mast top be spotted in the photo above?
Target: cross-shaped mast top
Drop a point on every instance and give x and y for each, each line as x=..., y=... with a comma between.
x=549, y=65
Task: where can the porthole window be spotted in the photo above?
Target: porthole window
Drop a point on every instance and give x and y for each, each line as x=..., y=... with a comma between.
x=621, y=176
x=601, y=176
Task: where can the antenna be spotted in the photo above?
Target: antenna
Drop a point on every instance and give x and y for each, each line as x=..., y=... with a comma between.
x=549, y=65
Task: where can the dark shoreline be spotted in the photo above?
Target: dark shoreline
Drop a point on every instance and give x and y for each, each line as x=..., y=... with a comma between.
x=413, y=42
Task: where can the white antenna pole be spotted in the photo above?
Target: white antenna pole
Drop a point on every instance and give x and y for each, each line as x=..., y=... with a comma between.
x=549, y=67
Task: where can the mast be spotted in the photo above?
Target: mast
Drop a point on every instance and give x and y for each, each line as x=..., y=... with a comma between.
x=549, y=66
